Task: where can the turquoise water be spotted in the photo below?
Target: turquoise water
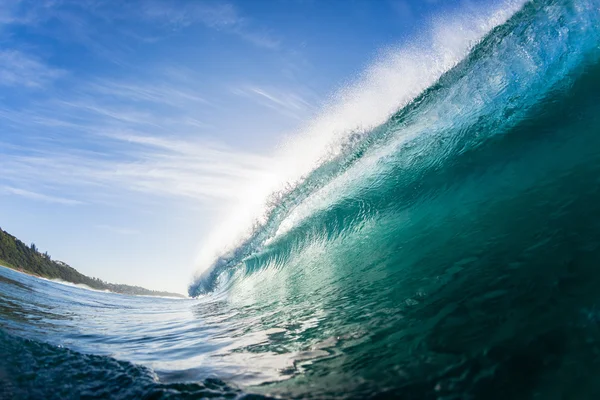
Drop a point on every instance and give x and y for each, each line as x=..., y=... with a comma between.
x=450, y=253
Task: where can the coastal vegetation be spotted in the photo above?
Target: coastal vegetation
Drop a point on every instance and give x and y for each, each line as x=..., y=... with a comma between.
x=28, y=259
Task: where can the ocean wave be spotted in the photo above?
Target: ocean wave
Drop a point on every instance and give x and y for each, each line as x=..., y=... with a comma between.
x=514, y=68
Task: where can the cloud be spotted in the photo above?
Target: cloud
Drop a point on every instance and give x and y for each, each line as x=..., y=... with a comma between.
x=159, y=94
x=119, y=230
x=114, y=112
x=156, y=167
x=113, y=31
x=7, y=12
x=403, y=9
x=107, y=141
x=20, y=69
x=20, y=12
x=287, y=103
x=39, y=196
x=220, y=16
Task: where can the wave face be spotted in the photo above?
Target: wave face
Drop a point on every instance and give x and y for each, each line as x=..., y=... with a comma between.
x=451, y=252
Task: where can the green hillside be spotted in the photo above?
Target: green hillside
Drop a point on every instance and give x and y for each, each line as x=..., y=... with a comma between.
x=17, y=255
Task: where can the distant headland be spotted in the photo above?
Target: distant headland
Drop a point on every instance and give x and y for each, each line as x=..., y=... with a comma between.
x=17, y=255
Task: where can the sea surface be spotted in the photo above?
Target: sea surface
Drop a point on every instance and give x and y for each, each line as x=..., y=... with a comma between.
x=452, y=252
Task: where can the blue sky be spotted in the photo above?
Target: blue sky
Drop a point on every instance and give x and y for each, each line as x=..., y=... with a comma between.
x=126, y=128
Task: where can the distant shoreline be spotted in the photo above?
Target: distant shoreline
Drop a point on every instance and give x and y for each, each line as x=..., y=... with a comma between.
x=16, y=255
x=86, y=287
x=83, y=286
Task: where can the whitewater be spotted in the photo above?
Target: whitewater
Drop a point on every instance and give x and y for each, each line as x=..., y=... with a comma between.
x=433, y=234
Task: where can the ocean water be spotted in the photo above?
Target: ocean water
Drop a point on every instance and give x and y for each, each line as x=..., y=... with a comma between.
x=452, y=252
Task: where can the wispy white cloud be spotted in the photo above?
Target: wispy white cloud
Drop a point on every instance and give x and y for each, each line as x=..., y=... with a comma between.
x=110, y=145
x=157, y=167
x=287, y=103
x=20, y=69
x=72, y=21
x=102, y=140
x=21, y=12
x=403, y=9
x=39, y=196
x=159, y=94
x=146, y=21
x=8, y=11
x=216, y=15
x=114, y=112
x=119, y=230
